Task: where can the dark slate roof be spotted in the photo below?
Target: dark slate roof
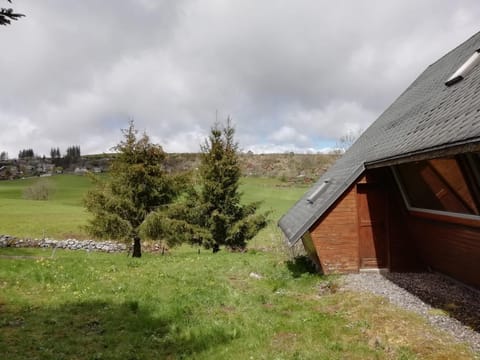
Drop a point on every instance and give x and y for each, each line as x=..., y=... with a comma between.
x=428, y=116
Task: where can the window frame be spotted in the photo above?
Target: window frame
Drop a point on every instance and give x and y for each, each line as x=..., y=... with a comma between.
x=454, y=217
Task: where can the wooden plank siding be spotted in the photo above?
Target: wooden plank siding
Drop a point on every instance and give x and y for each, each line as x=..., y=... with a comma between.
x=372, y=211
x=415, y=241
x=335, y=235
x=449, y=248
x=402, y=249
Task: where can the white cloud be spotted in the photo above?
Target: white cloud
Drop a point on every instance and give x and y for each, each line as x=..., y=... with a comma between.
x=288, y=134
x=17, y=133
x=271, y=148
x=333, y=121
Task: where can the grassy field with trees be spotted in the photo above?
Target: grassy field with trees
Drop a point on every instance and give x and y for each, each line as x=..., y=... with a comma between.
x=259, y=304
x=64, y=216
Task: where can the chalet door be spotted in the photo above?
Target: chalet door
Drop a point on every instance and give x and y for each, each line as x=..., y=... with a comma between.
x=372, y=222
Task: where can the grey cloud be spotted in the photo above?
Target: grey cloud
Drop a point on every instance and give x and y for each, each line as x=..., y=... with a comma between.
x=292, y=75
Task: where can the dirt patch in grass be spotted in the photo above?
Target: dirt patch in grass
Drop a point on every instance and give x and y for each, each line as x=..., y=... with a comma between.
x=284, y=340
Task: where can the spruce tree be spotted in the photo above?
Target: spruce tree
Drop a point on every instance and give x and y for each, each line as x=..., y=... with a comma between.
x=7, y=15
x=213, y=215
x=136, y=186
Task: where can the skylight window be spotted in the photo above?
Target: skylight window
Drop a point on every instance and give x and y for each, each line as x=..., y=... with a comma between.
x=315, y=195
x=464, y=69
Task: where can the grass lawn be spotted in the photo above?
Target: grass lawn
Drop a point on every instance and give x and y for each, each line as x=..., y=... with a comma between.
x=60, y=217
x=80, y=305
x=276, y=198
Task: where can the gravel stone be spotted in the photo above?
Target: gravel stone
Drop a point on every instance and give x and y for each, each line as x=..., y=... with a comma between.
x=445, y=303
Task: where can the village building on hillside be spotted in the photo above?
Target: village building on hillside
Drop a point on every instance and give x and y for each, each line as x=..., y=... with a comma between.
x=406, y=195
x=8, y=172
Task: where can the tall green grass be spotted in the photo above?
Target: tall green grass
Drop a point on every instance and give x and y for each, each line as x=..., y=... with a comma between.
x=276, y=197
x=190, y=305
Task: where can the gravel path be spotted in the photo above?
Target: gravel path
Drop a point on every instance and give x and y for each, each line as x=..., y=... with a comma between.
x=424, y=292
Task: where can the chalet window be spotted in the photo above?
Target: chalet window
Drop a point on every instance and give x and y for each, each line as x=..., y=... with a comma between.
x=445, y=185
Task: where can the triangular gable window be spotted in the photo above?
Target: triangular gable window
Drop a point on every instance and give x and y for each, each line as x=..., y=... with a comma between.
x=441, y=185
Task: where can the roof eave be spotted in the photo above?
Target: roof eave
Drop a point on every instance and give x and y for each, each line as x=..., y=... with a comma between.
x=329, y=202
x=449, y=149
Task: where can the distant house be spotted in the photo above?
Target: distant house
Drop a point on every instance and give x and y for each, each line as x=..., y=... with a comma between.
x=4, y=172
x=43, y=168
x=80, y=170
x=406, y=195
x=28, y=169
x=8, y=172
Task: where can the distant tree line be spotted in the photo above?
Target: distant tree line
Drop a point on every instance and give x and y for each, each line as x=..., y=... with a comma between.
x=55, y=153
x=72, y=155
x=3, y=156
x=26, y=154
x=73, y=152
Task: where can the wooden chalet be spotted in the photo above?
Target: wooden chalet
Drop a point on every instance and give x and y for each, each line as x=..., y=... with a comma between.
x=406, y=195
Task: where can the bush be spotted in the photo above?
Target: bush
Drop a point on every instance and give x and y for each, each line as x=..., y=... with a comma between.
x=40, y=190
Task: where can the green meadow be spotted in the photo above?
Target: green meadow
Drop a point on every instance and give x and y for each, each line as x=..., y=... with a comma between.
x=60, y=217
x=186, y=304
x=63, y=215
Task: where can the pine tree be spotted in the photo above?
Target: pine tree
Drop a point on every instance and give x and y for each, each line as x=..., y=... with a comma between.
x=212, y=216
x=73, y=153
x=136, y=187
x=7, y=15
x=53, y=153
x=26, y=154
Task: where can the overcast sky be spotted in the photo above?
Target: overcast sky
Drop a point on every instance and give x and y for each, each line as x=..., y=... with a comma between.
x=292, y=75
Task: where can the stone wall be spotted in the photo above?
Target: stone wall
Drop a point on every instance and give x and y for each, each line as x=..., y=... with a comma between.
x=71, y=244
